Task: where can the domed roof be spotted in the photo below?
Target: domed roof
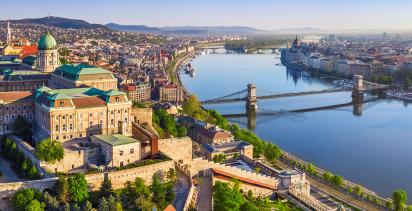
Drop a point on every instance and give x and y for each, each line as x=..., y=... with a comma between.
x=46, y=42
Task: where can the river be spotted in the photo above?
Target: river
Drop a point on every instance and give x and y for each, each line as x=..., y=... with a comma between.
x=371, y=146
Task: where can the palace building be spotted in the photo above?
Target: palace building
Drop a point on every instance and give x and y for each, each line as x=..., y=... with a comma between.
x=64, y=114
x=72, y=76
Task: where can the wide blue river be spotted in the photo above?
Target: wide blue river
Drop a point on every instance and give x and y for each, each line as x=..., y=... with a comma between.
x=370, y=144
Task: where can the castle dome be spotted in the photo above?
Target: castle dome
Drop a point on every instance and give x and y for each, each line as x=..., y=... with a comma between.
x=46, y=42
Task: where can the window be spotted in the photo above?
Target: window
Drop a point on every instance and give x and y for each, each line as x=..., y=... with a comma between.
x=61, y=104
x=71, y=116
x=111, y=112
x=71, y=126
x=57, y=137
x=121, y=164
x=131, y=151
x=57, y=128
x=90, y=123
x=111, y=122
x=64, y=127
x=100, y=122
x=121, y=152
x=117, y=99
x=90, y=114
x=63, y=117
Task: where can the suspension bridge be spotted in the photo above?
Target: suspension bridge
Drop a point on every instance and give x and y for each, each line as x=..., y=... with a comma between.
x=249, y=95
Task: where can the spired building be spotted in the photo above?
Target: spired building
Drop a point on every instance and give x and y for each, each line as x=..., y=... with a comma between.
x=47, y=54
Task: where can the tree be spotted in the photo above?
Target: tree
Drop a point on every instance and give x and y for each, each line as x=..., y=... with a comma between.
x=191, y=105
x=51, y=202
x=144, y=204
x=78, y=189
x=103, y=204
x=106, y=189
x=61, y=189
x=374, y=79
x=24, y=197
x=310, y=168
x=49, y=150
x=337, y=180
x=227, y=196
x=159, y=193
x=399, y=198
x=171, y=174
x=88, y=206
x=22, y=128
x=327, y=176
x=248, y=206
x=358, y=190
x=113, y=204
x=35, y=205
x=33, y=173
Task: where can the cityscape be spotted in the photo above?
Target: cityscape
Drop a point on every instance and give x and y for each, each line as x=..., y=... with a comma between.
x=224, y=106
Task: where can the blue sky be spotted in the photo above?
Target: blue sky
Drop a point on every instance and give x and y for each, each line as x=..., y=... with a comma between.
x=264, y=14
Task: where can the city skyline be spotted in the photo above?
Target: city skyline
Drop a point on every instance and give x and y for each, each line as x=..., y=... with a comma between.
x=263, y=14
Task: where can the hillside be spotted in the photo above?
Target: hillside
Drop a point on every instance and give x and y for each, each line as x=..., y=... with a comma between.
x=60, y=22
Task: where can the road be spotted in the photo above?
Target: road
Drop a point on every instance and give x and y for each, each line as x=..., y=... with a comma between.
x=205, y=193
x=182, y=190
x=354, y=202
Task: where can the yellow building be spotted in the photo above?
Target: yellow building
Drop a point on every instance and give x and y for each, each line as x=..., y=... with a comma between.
x=65, y=114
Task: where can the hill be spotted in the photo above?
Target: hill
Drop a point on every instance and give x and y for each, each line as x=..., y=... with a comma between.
x=60, y=22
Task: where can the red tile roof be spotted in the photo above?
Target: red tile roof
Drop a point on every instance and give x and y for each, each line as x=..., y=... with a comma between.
x=28, y=50
x=170, y=208
x=15, y=96
x=129, y=87
x=87, y=102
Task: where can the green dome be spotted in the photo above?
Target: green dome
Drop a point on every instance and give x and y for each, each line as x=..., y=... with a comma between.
x=46, y=42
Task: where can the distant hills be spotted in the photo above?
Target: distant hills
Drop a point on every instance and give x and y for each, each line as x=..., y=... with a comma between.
x=186, y=29
x=60, y=22
x=167, y=30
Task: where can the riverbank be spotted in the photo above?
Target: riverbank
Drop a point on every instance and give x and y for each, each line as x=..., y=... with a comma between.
x=260, y=70
x=175, y=73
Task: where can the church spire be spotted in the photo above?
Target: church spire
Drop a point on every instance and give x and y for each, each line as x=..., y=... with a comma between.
x=8, y=33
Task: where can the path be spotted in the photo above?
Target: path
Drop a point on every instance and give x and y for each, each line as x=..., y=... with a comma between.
x=205, y=193
x=8, y=174
x=182, y=190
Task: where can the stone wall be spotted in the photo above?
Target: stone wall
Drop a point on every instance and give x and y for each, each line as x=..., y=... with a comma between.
x=257, y=191
x=118, y=178
x=142, y=115
x=179, y=149
x=202, y=164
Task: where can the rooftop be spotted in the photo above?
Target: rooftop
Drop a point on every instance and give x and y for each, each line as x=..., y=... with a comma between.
x=116, y=139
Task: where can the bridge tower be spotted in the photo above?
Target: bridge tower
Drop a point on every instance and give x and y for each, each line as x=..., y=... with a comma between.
x=358, y=89
x=251, y=102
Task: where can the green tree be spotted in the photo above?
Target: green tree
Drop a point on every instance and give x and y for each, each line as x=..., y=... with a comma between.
x=310, y=168
x=337, y=180
x=227, y=196
x=159, y=193
x=35, y=205
x=33, y=173
x=103, y=204
x=23, y=198
x=87, y=206
x=272, y=152
x=358, y=190
x=106, y=189
x=249, y=206
x=327, y=176
x=22, y=128
x=78, y=189
x=49, y=150
x=171, y=174
x=61, y=189
x=191, y=105
x=51, y=202
x=219, y=158
x=399, y=198
x=144, y=204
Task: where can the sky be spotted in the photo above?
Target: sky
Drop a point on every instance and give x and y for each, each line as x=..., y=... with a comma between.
x=262, y=14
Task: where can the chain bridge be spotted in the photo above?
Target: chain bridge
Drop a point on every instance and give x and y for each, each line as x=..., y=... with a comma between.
x=249, y=95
